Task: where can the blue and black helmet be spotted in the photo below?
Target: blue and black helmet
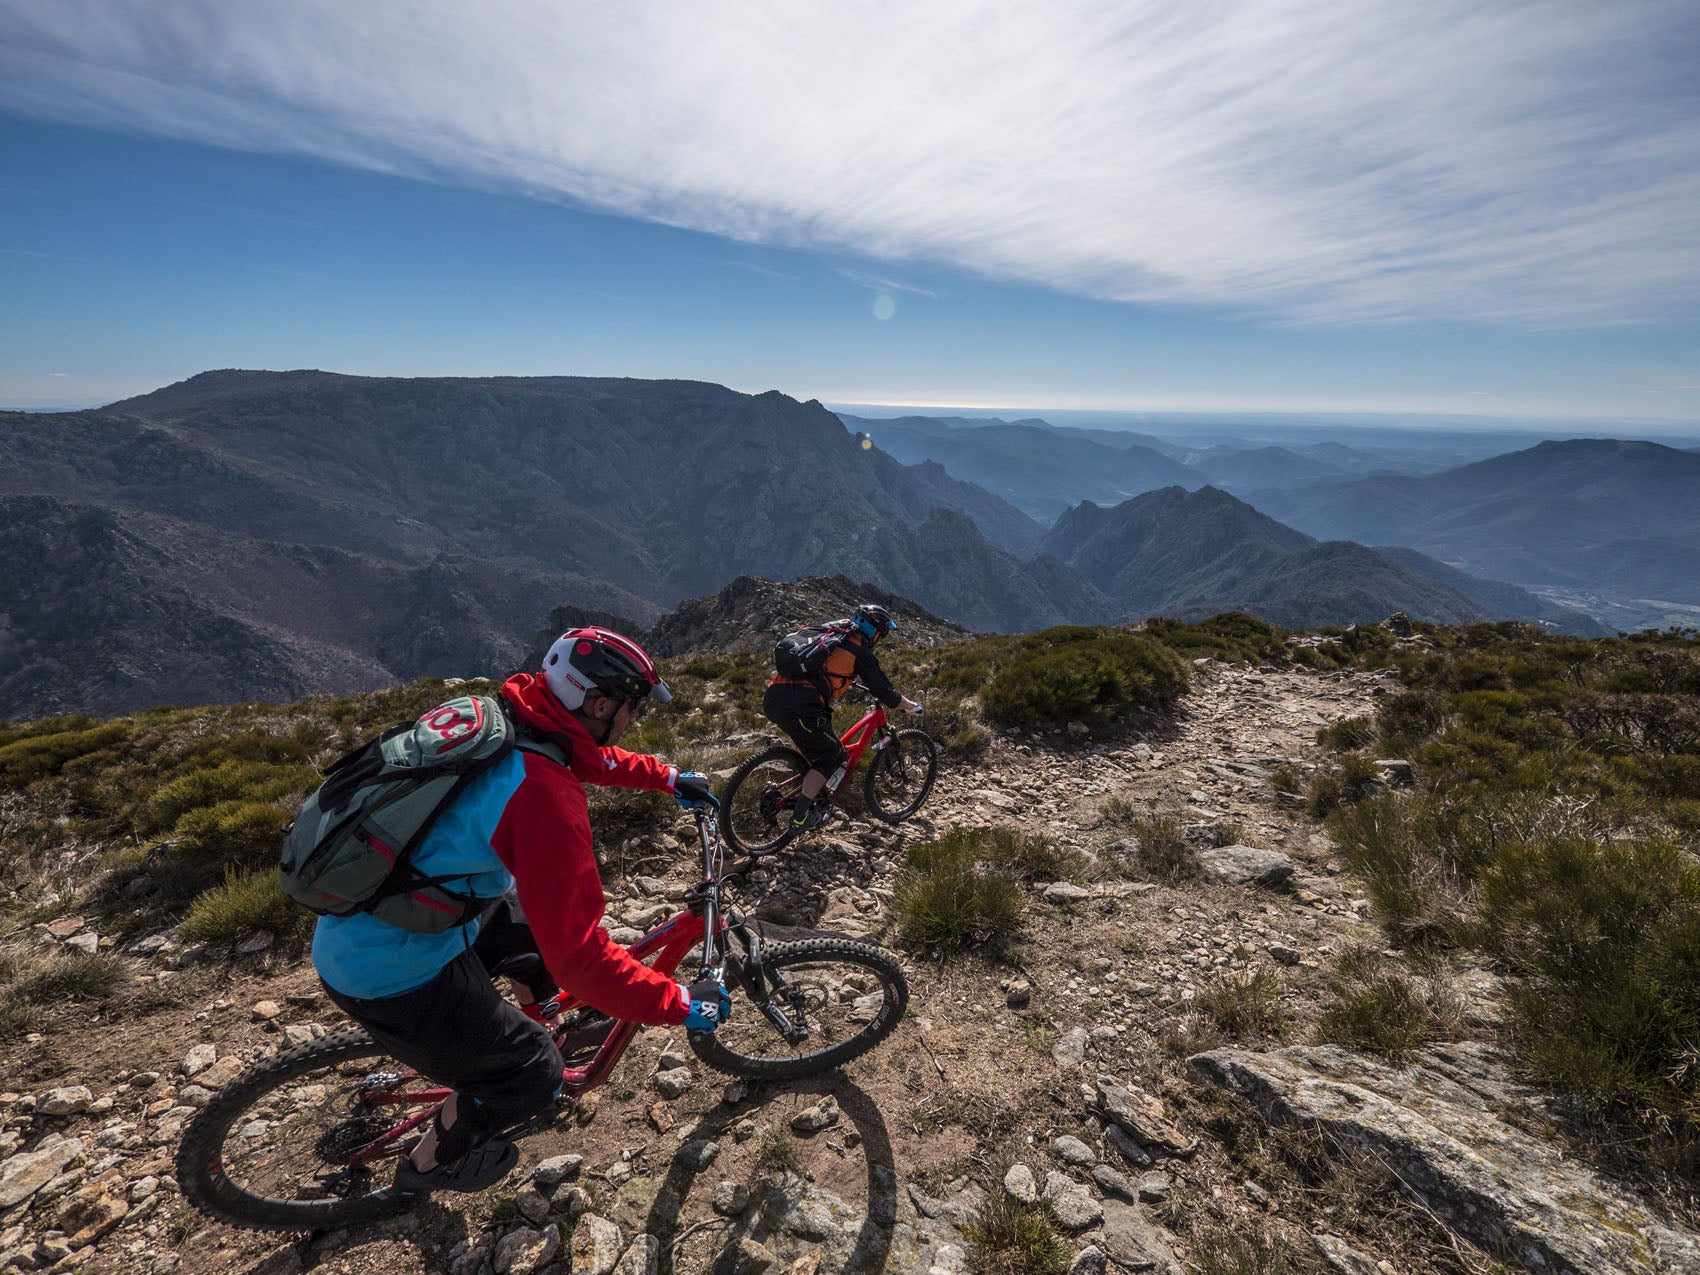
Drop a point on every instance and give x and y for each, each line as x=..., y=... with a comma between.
x=874, y=621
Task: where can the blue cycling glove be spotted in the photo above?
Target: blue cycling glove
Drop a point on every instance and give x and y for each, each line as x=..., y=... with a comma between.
x=710, y=1005
x=691, y=789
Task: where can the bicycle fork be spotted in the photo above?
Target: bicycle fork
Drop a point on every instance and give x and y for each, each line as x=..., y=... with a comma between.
x=765, y=986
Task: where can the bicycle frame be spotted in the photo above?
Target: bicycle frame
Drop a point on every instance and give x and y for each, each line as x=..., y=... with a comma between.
x=862, y=733
x=669, y=943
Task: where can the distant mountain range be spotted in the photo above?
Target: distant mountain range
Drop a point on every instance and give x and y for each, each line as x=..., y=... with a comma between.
x=268, y=535
x=1602, y=514
x=1194, y=554
x=1039, y=470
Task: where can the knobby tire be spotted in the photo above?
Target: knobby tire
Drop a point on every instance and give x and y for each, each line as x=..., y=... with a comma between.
x=200, y=1170
x=719, y=1051
x=910, y=748
x=745, y=827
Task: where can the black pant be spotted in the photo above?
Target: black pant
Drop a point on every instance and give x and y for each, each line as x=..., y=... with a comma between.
x=504, y=935
x=803, y=713
x=457, y=1030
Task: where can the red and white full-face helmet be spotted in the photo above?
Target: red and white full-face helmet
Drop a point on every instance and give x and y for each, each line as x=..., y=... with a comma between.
x=592, y=659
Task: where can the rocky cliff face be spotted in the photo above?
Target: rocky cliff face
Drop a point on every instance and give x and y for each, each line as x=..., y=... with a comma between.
x=276, y=534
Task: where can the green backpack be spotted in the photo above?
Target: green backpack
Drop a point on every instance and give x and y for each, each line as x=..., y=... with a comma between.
x=349, y=849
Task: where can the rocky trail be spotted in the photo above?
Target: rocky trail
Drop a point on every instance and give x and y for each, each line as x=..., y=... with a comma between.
x=1083, y=1071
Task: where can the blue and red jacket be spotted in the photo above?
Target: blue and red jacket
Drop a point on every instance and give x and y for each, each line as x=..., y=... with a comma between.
x=523, y=823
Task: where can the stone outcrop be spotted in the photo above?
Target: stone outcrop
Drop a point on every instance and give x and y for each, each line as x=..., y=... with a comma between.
x=1437, y=1125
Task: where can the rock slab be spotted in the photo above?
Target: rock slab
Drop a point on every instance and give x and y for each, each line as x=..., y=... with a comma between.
x=1437, y=1124
x=1248, y=865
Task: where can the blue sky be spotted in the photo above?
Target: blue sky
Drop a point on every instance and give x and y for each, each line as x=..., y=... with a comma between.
x=1481, y=209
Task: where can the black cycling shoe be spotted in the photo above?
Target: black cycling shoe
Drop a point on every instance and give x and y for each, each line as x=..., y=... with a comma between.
x=483, y=1166
x=812, y=817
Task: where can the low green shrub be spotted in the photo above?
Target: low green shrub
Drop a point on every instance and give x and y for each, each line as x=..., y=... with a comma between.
x=1084, y=675
x=779, y=1152
x=1028, y=855
x=1606, y=936
x=247, y=901
x=1387, y=1007
x=1419, y=858
x=953, y=892
x=1285, y=780
x=1347, y=734
x=70, y=977
x=40, y=755
x=17, y=1016
x=1346, y=784
x=1244, y=1005
x=1163, y=851
x=1412, y=715
x=1245, y=1249
x=1233, y=637
x=1010, y=1238
x=250, y=781
x=248, y=831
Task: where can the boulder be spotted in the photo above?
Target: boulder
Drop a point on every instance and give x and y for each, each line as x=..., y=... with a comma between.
x=642, y=1257
x=1071, y=1150
x=1134, y=1243
x=1071, y=1203
x=1247, y=865
x=823, y=1115
x=27, y=1172
x=596, y=1245
x=550, y=1173
x=1070, y=1049
x=731, y=1199
x=673, y=1082
x=65, y=1101
x=1436, y=1122
x=1141, y=1115
x=1342, y=1257
x=1018, y=1183
x=526, y=1249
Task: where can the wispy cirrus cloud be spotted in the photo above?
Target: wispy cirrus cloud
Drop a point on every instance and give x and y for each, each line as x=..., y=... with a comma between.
x=1531, y=162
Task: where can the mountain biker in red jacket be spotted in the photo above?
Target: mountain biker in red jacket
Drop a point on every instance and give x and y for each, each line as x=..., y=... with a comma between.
x=522, y=825
x=802, y=706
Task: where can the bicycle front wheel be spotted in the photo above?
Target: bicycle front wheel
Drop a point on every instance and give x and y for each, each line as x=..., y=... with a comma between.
x=755, y=809
x=901, y=775
x=825, y=1001
x=279, y=1147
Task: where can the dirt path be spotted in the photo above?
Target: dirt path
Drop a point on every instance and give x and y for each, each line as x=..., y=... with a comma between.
x=966, y=1086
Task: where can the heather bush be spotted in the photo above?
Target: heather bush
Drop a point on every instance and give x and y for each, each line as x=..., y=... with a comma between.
x=1606, y=936
x=1010, y=1238
x=1084, y=675
x=247, y=901
x=955, y=892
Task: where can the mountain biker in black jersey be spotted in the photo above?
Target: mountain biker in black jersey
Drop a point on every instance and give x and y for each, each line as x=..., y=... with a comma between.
x=802, y=706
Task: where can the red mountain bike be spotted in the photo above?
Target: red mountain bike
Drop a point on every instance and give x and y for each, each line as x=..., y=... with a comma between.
x=757, y=800
x=308, y=1138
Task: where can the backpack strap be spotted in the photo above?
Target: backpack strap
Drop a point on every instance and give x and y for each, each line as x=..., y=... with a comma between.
x=555, y=745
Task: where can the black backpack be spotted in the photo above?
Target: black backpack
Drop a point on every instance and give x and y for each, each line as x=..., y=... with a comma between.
x=801, y=653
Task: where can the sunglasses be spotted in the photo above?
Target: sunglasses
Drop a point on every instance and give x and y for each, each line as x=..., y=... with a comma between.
x=636, y=709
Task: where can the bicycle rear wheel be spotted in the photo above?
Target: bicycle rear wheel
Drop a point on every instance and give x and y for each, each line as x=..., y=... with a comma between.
x=755, y=809
x=901, y=775
x=826, y=1001
x=275, y=1148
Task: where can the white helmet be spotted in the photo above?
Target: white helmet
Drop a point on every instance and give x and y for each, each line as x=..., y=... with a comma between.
x=593, y=659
